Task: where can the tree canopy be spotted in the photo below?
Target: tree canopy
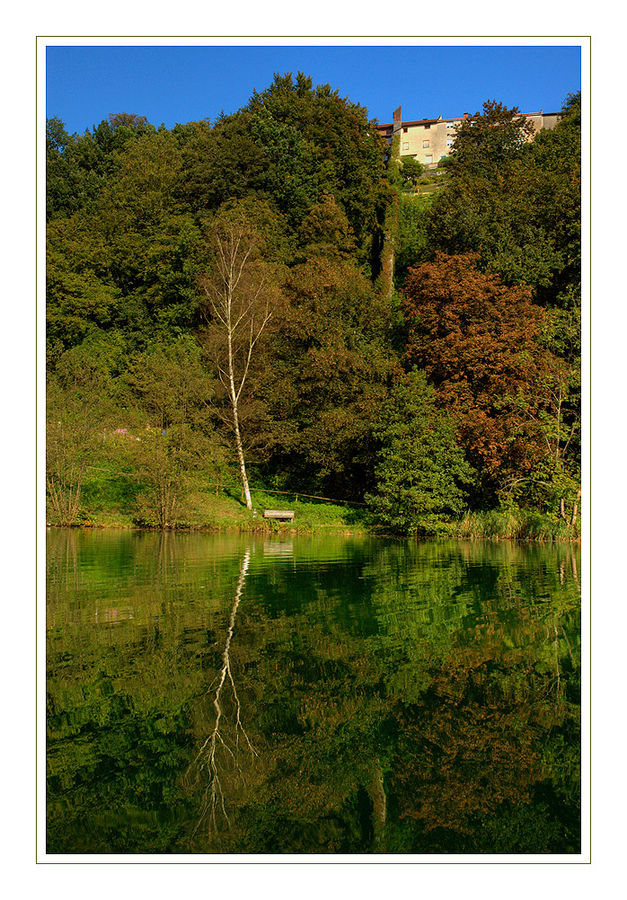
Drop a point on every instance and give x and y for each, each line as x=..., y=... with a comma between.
x=475, y=284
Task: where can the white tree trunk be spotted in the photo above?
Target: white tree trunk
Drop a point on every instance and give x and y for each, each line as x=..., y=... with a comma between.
x=240, y=457
x=235, y=404
x=240, y=302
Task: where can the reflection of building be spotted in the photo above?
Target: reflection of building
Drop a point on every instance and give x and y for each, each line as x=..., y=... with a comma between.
x=428, y=140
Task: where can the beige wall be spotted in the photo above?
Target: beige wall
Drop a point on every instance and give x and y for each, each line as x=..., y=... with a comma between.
x=440, y=134
x=426, y=143
x=540, y=120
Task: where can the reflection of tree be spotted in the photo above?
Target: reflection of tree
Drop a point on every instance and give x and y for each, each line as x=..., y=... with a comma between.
x=208, y=758
x=405, y=700
x=62, y=559
x=481, y=671
x=464, y=751
x=379, y=804
x=432, y=721
x=481, y=745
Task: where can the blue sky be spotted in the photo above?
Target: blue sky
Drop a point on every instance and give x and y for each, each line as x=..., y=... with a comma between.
x=186, y=83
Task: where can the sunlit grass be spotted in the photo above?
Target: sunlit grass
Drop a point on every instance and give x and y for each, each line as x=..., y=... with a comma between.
x=513, y=525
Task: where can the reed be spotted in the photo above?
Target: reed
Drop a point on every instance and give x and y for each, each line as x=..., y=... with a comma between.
x=514, y=525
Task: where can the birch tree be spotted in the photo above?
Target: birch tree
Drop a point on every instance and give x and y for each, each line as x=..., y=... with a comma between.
x=241, y=297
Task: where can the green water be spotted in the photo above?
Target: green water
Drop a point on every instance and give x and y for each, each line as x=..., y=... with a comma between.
x=231, y=694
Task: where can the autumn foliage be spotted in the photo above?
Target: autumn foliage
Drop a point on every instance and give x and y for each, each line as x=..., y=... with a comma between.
x=478, y=342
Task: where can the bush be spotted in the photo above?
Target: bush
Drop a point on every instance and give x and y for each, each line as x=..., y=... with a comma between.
x=421, y=469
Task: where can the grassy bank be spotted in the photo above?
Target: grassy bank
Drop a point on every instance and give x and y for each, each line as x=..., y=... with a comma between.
x=115, y=501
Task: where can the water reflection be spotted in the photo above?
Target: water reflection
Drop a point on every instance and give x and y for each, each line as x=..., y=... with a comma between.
x=314, y=696
x=278, y=548
x=208, y=760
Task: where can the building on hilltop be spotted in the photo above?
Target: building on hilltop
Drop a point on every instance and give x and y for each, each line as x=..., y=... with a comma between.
x=428, y=140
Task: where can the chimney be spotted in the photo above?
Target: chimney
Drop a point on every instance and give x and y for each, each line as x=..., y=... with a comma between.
x=465, y=115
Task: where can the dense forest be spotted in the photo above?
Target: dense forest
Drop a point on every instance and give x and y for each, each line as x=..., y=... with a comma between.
x=273, y=300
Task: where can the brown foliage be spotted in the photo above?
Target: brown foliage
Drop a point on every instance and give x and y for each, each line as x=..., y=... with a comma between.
x=464, y=758
x=477, y=341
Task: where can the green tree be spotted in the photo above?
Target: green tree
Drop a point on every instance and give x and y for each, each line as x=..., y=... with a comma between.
x=413, y=241
x=489, y=140
x=78, y=167
x=169, y=401
x=67, y=442
x=89, y=372
x=325, y=231
x=411, y=170
x=170, y=384
x=129, y=259
x=421, y=469
x=291, y=144
x=79, y=399
x=555, y=169
x=81, y=294
x=554, y=482
x=165, y=461
x=327, y=377
x=514, y=200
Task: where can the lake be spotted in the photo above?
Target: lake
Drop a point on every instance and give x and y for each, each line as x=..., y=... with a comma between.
x=314, y=695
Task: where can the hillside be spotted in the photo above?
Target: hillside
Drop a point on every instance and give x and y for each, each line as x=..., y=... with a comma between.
x=219, y=313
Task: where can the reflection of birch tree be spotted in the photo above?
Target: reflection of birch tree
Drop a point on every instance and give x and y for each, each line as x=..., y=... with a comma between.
x=379, y=805
x=218, y=751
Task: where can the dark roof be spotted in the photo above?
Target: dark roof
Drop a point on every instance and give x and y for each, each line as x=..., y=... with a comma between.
x=390, y=125
x=413, y=122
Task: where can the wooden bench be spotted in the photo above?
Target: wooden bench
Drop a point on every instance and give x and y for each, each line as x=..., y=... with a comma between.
x=278, y=514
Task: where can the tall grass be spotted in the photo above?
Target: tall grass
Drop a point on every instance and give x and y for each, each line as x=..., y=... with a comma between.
x=514, y=525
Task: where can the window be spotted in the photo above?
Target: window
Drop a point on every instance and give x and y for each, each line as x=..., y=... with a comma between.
x=428, y=158
x=427, y=127
x=405, y=130
x=405, y=145
x=450, y=141
x=425, y=143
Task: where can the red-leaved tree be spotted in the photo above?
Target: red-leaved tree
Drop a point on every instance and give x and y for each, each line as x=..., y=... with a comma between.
x=478, y=343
